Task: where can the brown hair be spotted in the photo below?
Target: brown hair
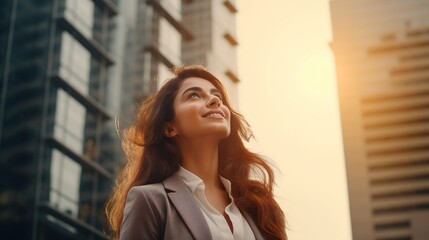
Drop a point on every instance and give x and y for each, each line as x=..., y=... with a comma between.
x=152, y=157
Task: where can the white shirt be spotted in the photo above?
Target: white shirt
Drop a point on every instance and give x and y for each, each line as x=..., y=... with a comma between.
x=217, y=223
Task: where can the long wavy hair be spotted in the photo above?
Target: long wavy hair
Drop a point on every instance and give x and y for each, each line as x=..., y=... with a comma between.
x=152, y=157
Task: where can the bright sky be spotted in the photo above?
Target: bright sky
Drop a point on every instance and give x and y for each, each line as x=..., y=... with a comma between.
x=288, y=94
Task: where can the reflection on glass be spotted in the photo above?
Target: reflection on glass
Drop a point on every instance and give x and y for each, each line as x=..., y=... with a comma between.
x=65, y=181
x=170, y=41
x=147, y=58
x=103, y=191
x=75, y=63
x=81, y=14
x=69, y=121
x=163, y=74
x=110, y=155
x=70, y=187
x=60, y=223
x=174, y=7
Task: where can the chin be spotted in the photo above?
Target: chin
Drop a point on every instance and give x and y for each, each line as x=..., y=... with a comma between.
x=220, y=133
x=225, y=133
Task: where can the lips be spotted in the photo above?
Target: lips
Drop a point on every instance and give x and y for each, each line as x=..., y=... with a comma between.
x=214, y=113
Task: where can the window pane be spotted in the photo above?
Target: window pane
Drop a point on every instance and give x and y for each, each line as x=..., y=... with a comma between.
x=70, y=187
x=174, y=7
x=104, y=188
x=81, y=14
x=65, y=180
x=163, y=74
x=81, y=61
x=75, y=63
x=70, y=117
x=170, y=41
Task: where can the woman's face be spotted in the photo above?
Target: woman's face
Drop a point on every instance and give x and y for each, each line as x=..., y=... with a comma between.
x=199, y=111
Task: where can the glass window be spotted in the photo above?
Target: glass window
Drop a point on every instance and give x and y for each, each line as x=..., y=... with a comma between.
x=70, y=187
x=164, y=73
x=110, y=155
x=65, y=181
x=170, y=41
x=146, y=72
x=81, y=14
x=104, y=189
x=75, y=63
x=174, y=7
x=69, y=122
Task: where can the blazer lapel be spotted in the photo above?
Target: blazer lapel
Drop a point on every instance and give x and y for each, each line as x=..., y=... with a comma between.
x=253, y=226
x=187, y=207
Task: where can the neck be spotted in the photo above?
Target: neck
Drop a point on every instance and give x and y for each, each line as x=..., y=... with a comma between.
x=201, y=158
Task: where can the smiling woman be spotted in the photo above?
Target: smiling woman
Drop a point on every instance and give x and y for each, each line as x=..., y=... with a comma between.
x=188, y=172
x=199, y=112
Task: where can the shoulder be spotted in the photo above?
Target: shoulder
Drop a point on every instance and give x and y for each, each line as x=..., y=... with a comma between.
x=144, y=212
x=154, y=194
x=151, y=193
x=155, y=188
x=149, y=199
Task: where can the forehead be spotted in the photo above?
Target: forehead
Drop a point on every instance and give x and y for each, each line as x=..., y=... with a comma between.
x=202, y=83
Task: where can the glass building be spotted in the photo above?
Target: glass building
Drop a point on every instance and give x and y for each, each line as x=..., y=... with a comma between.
x=382, y=58
x=58, y=154
x=69, y=68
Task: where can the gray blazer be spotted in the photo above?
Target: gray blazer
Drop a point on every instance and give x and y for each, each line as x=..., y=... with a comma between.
x=167, y=210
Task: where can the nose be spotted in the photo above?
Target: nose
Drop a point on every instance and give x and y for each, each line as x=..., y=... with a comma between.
x=213, y=102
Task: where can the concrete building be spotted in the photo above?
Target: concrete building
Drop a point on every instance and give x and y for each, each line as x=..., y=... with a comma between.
x=162, y=35
x=382, y=56
x=215, y=45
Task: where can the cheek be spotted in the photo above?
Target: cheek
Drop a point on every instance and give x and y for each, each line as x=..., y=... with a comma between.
x=187, y=116
x=228, y=112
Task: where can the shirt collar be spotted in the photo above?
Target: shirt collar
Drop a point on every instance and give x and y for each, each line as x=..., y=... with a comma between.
x=226, y=184
x=194, y=182
x=191, y=180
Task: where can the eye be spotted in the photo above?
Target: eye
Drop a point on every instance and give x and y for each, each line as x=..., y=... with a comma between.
x=193, y=95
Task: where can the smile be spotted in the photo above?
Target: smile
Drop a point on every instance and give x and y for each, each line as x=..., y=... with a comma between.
x=214, y=114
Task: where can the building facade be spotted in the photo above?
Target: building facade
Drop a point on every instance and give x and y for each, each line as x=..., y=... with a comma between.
x=161, y=38
x=382, y=57
x=57, y=135
x=69, y=69
x=215, y=41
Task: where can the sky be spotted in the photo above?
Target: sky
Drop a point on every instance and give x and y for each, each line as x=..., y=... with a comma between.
x=288, y=95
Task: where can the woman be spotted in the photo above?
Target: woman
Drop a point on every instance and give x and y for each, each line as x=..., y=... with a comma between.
x=188, y=174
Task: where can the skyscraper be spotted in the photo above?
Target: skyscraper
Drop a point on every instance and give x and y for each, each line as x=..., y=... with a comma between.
x=57, y=160
x=382, y=57
x=215, y=43
x=68, y=69
x=162, y=35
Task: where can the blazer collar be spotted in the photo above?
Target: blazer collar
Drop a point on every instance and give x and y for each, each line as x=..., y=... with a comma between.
x=253, y=226
x=186, y=205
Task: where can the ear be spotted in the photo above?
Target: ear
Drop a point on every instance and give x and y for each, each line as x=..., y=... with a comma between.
x=170, y=131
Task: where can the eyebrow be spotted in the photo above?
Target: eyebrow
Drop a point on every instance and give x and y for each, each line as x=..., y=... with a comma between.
x=198, y=89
